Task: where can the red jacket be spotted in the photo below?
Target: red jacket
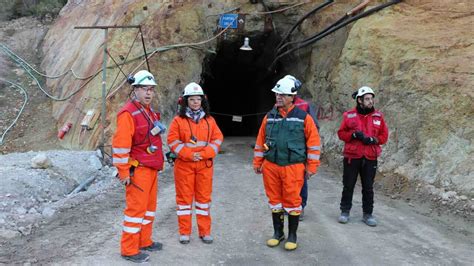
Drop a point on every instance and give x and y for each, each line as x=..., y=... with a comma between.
x=308, y=108
x=372, y=125
x=133, y=137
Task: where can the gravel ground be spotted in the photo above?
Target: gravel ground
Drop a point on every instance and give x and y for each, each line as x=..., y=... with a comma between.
x=85, y=229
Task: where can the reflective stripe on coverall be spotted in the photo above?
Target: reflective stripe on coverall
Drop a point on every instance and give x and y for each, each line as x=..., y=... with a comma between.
x=193, y=180
x=283, y=183
x=139, y=212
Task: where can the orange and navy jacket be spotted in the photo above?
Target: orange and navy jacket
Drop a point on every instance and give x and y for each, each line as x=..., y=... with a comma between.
x=313, y=145
x=208, y=138
x=372, y=125
x=133, y=137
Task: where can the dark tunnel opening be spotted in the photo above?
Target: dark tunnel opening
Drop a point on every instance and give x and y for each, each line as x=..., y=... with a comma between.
x=238, y=84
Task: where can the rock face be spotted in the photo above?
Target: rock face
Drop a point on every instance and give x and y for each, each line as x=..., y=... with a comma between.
x=81, y=50
x=416, y=55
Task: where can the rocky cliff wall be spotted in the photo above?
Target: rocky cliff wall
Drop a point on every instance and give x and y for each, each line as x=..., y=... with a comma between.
x=162, y=23
x=417, y=56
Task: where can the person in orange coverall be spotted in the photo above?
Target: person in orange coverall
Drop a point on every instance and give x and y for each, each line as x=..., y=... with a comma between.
x=287, y=148
x=138, y=156
x=195, y=139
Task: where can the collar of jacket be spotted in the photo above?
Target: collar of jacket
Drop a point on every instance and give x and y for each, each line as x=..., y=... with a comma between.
x=195, y=115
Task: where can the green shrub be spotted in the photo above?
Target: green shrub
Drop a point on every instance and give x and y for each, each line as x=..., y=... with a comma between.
x=38, y=8
x=44, y=7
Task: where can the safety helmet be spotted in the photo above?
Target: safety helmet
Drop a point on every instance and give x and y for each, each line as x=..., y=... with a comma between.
x=298, y=83
x=143, y=78
x=193, y=89
x=286, y=85
x=364, y=90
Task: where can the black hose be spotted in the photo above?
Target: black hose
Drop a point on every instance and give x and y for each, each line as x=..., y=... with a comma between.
x=314, y=10
x=343, y=24
x=144, y=49
x=316, y=35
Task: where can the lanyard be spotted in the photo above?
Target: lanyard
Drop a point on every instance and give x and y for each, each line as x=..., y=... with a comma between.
x=193, y=139
x=145, y=114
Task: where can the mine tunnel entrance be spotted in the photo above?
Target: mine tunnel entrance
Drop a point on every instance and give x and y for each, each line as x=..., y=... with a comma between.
x=238, y=84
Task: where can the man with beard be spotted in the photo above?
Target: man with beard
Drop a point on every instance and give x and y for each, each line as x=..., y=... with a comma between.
x=363, y=130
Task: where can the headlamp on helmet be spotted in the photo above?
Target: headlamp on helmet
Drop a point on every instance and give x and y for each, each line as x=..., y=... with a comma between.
x=142, y=78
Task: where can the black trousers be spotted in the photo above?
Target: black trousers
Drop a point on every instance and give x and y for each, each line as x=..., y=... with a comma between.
x=366, y=169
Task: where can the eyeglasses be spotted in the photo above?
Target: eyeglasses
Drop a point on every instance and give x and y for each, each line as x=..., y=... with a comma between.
x=147, y=88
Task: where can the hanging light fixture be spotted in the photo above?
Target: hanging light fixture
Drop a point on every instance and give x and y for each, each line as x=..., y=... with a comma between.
x=246, y=46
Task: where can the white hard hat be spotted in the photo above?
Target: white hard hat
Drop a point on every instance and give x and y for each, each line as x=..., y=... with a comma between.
x=285, y=85
x=143, y=78
x=193, y=89
x=364, y=90
x=298, y=83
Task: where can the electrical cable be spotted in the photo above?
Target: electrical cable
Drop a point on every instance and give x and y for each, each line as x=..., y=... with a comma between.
x=318, y=36
x=313, y=36
x=311, y=12
x=276, y=11
x=253, y=13
x=348, y=14
x=21, y=109
x=23, y=63
x=244, y=115
x=24, y=66
x=169, y=47
x=39, y=73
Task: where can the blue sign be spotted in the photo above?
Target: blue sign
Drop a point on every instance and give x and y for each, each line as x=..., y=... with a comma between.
x=228, y=19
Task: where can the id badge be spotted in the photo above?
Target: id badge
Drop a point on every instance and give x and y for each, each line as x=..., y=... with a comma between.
x=155, y=131
x=161, y=128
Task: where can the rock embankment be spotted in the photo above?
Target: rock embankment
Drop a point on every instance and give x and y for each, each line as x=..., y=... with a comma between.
x=35, y=186
x=418, y=57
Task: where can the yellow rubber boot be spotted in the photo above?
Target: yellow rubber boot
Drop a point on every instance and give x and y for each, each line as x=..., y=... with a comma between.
x=293, y=220
x=278, y=224
x=290, y=246
x=272, y=242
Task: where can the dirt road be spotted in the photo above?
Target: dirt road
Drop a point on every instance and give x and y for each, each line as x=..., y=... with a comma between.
x=89, y=234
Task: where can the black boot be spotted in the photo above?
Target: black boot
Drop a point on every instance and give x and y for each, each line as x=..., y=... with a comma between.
x=293, y=221
x=138, y=258
x=278, y=224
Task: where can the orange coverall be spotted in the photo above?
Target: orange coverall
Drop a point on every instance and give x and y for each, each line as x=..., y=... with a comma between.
x=193, y=179
x=141, y=196
x=283, y=183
